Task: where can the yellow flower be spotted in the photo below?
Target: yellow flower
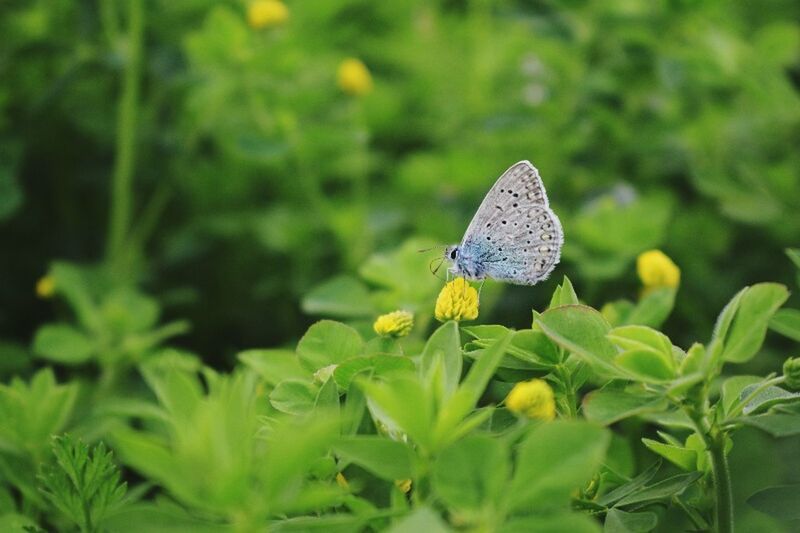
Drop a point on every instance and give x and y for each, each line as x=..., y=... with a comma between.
x=45, y=287
x=396, y=324
x=403, y=484
x=656, y=270
x=342, y=481
x=533, y=399
x=354, y=78
x=457, y=301
x=267, y=13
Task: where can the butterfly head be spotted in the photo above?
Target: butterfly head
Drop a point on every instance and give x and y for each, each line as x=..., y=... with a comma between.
x=451, y=253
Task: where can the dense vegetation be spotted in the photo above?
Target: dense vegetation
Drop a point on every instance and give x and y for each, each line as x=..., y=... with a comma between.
x=187, y=187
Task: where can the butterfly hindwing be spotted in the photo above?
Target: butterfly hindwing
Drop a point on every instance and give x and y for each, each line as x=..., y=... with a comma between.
x=515, y=236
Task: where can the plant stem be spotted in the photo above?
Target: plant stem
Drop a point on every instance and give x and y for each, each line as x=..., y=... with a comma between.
x=722, y=485
x=714, y=440
x=127, y=116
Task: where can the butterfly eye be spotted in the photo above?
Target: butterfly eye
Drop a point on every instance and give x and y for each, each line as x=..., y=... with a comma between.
x=453, y=254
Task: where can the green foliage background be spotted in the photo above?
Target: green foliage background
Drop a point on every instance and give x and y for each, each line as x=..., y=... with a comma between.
x=264, y=198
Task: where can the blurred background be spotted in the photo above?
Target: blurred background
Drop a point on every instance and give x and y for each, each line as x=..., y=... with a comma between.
x=254, y=166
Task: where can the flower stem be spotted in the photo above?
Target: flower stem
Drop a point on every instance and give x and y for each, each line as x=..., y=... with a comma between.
x=722, y=485
x=127, y=118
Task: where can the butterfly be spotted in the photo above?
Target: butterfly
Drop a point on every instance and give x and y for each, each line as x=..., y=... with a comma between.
x=514, y=235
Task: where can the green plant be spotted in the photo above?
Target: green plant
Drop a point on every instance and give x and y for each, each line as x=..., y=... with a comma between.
x=83, y=484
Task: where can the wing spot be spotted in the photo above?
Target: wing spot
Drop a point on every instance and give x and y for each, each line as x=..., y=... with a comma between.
x=528, y=226
x=502, y=190
x=516, y=195
x=504, y=222
x=488, y=238
x=529, y=242
x=516, y=205
x=544, y=249
x=546, y=236
x=488, y=224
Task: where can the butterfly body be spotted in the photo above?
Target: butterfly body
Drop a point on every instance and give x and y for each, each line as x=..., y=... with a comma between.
x=514, y=235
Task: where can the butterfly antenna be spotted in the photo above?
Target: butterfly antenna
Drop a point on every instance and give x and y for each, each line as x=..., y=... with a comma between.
x=432, y=248
x=435, y=270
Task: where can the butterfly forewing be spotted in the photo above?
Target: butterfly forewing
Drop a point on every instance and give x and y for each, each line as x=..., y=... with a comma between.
x=514, y=233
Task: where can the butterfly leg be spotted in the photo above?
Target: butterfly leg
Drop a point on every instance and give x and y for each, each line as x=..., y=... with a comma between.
x=483, y=282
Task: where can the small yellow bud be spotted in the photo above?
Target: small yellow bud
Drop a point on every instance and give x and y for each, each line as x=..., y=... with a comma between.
x=457, y=301
x=656, y=270
x=396, y=324
x=45, y=287
x=266, y=14
x=342, y=481
x=533, y=399
x=403, y=484
x=354, y=78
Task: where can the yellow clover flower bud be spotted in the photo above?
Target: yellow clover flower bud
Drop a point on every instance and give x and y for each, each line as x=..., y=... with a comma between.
x=266, y=14
x=791, y=371
x=403, y=484
x=656, y=270
x=342, y=481
x=45, y=287
x=457, y=301
x=354, y=78
x=533, y=399
x=396, y=324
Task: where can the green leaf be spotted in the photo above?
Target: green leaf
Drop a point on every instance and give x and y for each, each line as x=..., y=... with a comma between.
x=618, y=521
x=63, y=344
x=653, y=308
x=732, y=389
x=445, y=343
x=74, y=283
x=342, y=296
x=582, y=331
x=328, y=343
x=421, y=519
x=781, y=502
x=161, y=518
x=534, y=347
x=686, y=459
x=84, y=485
x=564, y=295
x=375, y=366
x=402, y=404
x=647, y=365
x=469, y=392
x=787, y=323
x=471, y=473
x=777, y=425
x=126, y=310
x=387, y=459
x=31, y=412
x=560, y=522
x=641, y=338
x=664, y=489
x=632, y=486
x=179, y=390
x=794, y=255
x=553, y=460
x=294, y=397
x=274, y=366
x=607, y=406
x=749, y=326
x=766, y=398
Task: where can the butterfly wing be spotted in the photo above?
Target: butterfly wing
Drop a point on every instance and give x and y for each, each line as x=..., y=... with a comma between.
x=515, y=236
